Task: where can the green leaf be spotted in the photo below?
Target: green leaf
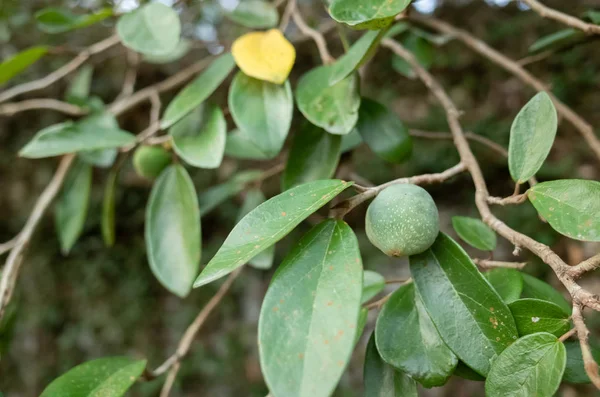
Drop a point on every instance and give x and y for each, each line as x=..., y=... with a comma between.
x=254, y=198
x=571, y=207
x=557, y=39
x=421, y=49
x=79, y=87
x=463, y=371
x=20, y=61
x=474, y=232
x=102, y=158
x=263, y=110
x=422, y=354
x=535, y=315
x=216, y=195
x=382, y=380
x=94, y=132
x=532, y=366
x=59, y=20
x=108, y=208
x=531, y=137
x=508, y=283
x=355, y=57
x=333, y=108
x=314, y=154
x=152, y=29
x=373, y=283
x=383, y=131
x=308, y=318
x=363, y=317
x=267, y=224
x=350, y=141
x=469, y=315
x=150, y=161
x=199, y=137
x=575, y=369
x=72, y=205
x=173, y=230
x=240, y=146
x=198, y=90
x=180, y=50
x=593, y=16
x=255, y=14
x=538, y=289
x=106, y=377
x=370, y=14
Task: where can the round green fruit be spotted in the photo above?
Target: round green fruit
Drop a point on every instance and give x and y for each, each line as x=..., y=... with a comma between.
x=402, y=220
x=149, y=161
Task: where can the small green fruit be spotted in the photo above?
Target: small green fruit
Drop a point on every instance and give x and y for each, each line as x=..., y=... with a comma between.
x=149, y=161
x=402, y=220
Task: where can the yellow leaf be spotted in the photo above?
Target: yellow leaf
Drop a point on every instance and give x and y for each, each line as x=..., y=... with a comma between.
x=264, y=55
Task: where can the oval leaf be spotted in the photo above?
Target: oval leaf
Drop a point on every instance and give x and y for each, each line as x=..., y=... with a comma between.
x=72, y=205
x=333, y=108
x=109, y=377
x=314, y=155
x=152, y=29
x=463, y=371
x=532, y=366
x=267, y=224
x=173, y=230
x=535, y=315
x=474, y=232
x=20, y=61
x=199, y=137
x=383, y=131
x=198, y=90
x=351, y=141
x=531, y=137
x=571, y=207
x=355, y=57
x=240, y=145
x=108, y=208
x=216, y=195
x=309, y=315
x=557, y=39
x=508, y=283
x=254, y=198
x=536, y=288
x=469, y=315
x=370, y=14
x=255, y=14
x=422, y=353
x=382, y=380
x=60, y=20
x=373, y=283
x=262, y=110
x=264, y=55
x=575, y=369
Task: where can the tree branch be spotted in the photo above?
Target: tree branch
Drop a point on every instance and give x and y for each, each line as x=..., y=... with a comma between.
x=590, y=365
x=565, y=19
x=490, y=264
x=585, y=266
x=9, y=109
x=317, y=37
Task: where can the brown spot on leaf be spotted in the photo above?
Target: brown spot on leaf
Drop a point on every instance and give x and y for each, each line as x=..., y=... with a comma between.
x=326, y=341
x=300, y=356
x=283, y=213
x=275, y=309
x=491, y=309
x=494, y=321
x=330, y=303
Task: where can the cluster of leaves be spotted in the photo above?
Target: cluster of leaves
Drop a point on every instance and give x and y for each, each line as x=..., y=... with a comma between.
x=450, y=319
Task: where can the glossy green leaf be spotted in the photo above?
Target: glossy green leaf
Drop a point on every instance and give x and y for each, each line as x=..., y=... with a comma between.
x=198, y=90
x=255, y=14
x=333, y=108
x=382, y=380
x=383, y=131
x=263, y=110
x=422, y=353
x=557, y=39
x=355, y=57
x=308, y=317
x=94, y=132
x=532, y=366
x=108, y=208
x=216, y=195
x=254, y=198
x=72, y=205
x=575, y=369
x=469, y=315
x=180, y=50
x=267, y=224
x=363, y=317
x=373, y=283
x=371, y=14
x=173, y=230
x=239, y=145
x=104, y=377
x=535, y=315
x=314, y=154
x=538, y=289
x=102, y=158
x=571, y=207
x=199, y=137
x=508, y=283
x=463, y=371
x=531, y=137
x=60, y=20
x=474, y=232
x=14, y=65
x=350, y=141
x=593, y=16
x=79, y=87
x=150, y=161
x=152, y=29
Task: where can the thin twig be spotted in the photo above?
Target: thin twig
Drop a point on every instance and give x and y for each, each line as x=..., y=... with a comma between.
x=565, y=19
x=9, y=109
x=317, y=37
x=515, y=199
x=585, y=266
x=490, y=264
x=7, y=246
x=567, y=334
x=287, y=13
x=590, y=365
x=133, y=61
x=395, y=280
x=61, y=72
x=171, y=376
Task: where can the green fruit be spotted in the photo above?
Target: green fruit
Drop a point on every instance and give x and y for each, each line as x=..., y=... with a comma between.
x=149, y=161
x=402, y=220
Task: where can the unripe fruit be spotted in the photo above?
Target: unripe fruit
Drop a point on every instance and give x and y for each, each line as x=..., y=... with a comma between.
x=402, y=220
x=149, y=161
